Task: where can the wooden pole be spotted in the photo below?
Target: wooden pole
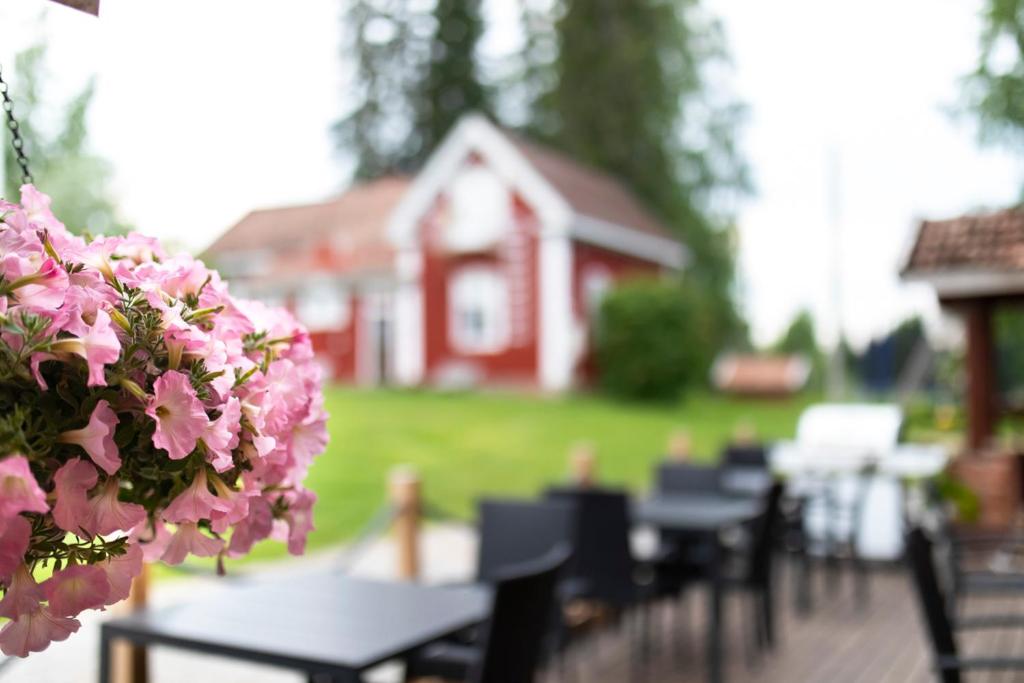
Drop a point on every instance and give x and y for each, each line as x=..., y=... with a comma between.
x=583, y=465
x=404, y=491
x=132, y=661
x=981, y=409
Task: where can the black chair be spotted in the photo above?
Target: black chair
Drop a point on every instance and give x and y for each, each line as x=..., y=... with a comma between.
x=512, y=532
x=602, y=567
x=745, y=455
x=949, y=664
x=512, y=640
x=675, y=478
x=755, y=574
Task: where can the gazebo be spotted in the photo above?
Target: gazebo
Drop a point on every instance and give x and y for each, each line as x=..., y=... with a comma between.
x=976, y=265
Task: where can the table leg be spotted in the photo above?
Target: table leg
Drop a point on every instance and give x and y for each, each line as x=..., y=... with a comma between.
x=716, y=587
x=104, y=676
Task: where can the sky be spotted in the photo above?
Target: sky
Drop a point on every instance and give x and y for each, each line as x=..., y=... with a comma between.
x=210, y=109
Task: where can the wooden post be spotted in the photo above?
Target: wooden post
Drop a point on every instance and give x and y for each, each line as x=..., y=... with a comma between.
x=680, y=447
x=132, y=661
x=404, y=489
x=981, y=409
x=583, y=464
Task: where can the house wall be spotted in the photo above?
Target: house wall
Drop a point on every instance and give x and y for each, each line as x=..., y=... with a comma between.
x=590, y=264
x=515, y=257
x=336, y=349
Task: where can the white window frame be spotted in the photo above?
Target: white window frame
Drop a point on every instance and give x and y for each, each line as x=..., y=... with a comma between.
x=323, y=305
x=482, y=292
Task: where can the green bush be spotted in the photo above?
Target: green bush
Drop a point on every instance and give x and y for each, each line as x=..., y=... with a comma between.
x=652, y=340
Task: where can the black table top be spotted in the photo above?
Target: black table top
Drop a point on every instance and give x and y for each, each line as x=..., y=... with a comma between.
x=323, y=619
x=696, y=511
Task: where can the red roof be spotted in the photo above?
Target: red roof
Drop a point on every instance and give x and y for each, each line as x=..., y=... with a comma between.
x=760, y=374
x=589, y=191
x=347, y=233
x=993, y=241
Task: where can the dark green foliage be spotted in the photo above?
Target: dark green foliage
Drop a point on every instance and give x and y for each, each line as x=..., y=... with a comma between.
x=415, y=74
x=450, y=87
x=631, y=93
x=651, y=341
x=62, y=163
x=994, y=91
x=799, y=337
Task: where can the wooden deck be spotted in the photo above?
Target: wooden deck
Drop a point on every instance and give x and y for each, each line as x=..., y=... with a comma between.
x=841, y=641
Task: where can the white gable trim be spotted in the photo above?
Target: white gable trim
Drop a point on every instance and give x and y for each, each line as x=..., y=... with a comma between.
x=661, y=250
x=970, y=282
x=474, y=133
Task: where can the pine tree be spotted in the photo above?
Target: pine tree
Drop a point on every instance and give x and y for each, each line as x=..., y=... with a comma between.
x=631, y=95
x=415, y=74
x=451, y=86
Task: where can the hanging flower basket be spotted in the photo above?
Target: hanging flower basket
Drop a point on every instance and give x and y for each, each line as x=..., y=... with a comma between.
x=145, y=414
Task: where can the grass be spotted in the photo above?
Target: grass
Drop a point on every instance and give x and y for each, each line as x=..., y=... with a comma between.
x=468, y=445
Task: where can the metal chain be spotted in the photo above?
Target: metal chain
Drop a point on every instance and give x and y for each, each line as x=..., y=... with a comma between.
x=12, y=124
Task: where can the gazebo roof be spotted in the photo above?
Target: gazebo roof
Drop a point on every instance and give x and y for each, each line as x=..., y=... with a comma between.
x=977, y=255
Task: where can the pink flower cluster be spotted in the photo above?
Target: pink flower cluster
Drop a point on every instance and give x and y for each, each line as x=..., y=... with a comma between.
x=145, y=414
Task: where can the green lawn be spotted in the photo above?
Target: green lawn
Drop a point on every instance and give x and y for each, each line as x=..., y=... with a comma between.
x=466, y=445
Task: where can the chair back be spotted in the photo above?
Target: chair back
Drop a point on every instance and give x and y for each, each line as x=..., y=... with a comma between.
x=516, y=531
x=675, y=478
x=743, y=455
x=601, y=567
x=930, y=597
x=513, y=638
x=759, y=568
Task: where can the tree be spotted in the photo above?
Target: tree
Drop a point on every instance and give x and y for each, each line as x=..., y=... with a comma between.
x=62, y=163
x=631, y=94
x=799, y=337
x=994, y=91
x=415, y=73
x=451, y=86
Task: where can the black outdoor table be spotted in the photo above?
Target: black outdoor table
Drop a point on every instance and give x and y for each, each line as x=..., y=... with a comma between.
x=328, y=625
x=703, y=515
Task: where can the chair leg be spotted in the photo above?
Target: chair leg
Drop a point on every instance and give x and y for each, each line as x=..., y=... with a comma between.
x=767, y=610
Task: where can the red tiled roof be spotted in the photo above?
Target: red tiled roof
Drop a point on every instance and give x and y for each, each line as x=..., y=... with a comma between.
x=589, y=191
x=993, y=241
x=756, y=374
x=347, y=232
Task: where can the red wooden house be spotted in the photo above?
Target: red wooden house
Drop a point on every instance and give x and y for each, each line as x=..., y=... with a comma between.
x=483, y=269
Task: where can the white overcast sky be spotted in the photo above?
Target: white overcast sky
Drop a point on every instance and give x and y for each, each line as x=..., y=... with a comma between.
x=210, y=108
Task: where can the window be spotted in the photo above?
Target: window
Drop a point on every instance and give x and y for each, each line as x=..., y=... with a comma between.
x=480, y=211
x=478, y=310
x=322, y=306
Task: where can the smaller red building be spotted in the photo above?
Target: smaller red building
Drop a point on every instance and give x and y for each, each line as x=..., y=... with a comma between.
x=484, y=269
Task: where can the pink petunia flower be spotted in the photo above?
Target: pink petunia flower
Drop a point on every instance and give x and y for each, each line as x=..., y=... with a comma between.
x=99, y=347
x=153, y=537
x=180, y=418
x=19, y=490
x=107, y=514
x=23, y=594
x=97, y=438
x=121, y=571
x=190, y=539
x=221, y=436
x=37, y=209
x=195, y=502
x=34, y=632
x=300, y=520
x=256, y=526
x=238, y=506
x=45, y=288
x=14, y=538
x=76, y=588
x=72, y=481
